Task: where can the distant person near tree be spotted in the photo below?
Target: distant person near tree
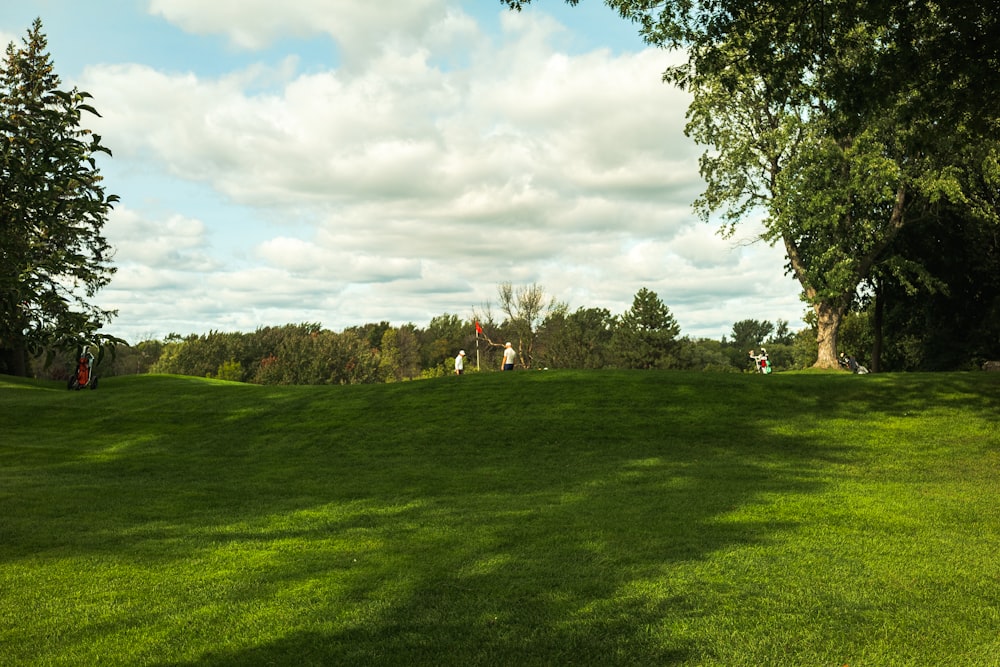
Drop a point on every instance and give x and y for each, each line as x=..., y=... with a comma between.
x=508, y=357
x=460, y=362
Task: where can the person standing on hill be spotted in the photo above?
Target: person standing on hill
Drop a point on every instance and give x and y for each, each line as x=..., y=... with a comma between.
x=460, y=362
x=508, y=357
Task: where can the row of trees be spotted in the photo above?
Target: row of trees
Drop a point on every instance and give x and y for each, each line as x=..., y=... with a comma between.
x=545, y=333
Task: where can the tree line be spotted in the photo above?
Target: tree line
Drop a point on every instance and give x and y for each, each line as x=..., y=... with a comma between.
x=548, y=334
x=545, y=334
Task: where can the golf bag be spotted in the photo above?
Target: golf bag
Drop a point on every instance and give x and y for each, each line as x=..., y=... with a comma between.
x=83, y=376
x=761, y=362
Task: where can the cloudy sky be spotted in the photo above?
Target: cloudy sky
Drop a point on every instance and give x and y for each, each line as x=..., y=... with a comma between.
x=337, y=162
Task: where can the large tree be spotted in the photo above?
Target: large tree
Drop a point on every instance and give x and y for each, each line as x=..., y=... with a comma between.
x=841, y=121
x=53, y=256
x=957, y=325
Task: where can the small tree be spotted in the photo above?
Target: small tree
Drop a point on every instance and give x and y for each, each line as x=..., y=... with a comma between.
x=646, y=336
x=53, y=256
x=526, y=308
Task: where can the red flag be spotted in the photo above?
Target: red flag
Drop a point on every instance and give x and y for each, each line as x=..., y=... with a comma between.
x=479, y=329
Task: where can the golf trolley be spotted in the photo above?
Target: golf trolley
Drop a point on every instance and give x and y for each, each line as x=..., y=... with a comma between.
x=851, y=364
x=83, y=375
x=760, y=361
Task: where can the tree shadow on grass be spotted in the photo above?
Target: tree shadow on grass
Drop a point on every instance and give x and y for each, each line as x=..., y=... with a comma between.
x=332, y=537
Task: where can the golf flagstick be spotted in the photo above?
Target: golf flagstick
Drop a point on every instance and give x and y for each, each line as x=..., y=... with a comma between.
x=479, y=330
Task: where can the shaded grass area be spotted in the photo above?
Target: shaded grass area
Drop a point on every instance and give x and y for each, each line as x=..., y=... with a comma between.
x=533, y=518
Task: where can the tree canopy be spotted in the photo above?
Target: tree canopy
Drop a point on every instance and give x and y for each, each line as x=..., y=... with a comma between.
x=53, y=206
x=647, y=334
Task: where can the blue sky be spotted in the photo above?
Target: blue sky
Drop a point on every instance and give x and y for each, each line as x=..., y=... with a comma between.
x=327, y=161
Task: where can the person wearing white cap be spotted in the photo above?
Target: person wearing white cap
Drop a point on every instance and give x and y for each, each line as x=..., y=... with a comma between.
x=460, y=362
x=508, y=357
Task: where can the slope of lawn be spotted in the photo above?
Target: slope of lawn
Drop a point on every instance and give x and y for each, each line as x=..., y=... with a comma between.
x=529, y=518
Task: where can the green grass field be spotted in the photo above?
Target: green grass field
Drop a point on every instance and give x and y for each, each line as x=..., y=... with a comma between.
x=532, y=518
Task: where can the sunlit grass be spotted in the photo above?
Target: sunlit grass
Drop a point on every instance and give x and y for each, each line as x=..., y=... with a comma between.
x=510, y=519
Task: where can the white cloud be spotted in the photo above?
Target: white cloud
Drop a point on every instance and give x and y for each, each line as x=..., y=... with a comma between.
x=176, y=244
x=436, y=162
x=360, y=27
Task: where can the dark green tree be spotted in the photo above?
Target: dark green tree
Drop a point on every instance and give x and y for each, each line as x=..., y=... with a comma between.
x=705, y=354
x=955, y=326
x=320, y=357
x=53, y=207
x=371, y=332
x=444, y=336
x=646, y=335
x=750, y=334
x=576, y=340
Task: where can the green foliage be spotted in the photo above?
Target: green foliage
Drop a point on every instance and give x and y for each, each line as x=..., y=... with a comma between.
x=390, y=359
x=583, y=339
x=705, y=355
x=803, y=348
x=134, y=359
x=53, y=206
x=947, y=316
x=371, y=333
x=202, y=356
x=408, y=347
x=576, y=340
x=751, y=334
x=322, y=357
x=230, y=370
x=623, y=518
x=444, y=336
x=292, y=354
x=646, y=335
x=856, y=337
x=442, y=369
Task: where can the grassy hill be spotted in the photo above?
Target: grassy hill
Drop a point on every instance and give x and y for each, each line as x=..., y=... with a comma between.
x=529, y=518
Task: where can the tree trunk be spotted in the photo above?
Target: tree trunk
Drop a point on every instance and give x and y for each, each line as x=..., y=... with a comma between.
x=828, y=317
x=828, y=312
x=14, y=361
x=876, y=360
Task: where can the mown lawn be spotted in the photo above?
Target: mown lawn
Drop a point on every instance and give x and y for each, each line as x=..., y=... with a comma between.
x=533, y=518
